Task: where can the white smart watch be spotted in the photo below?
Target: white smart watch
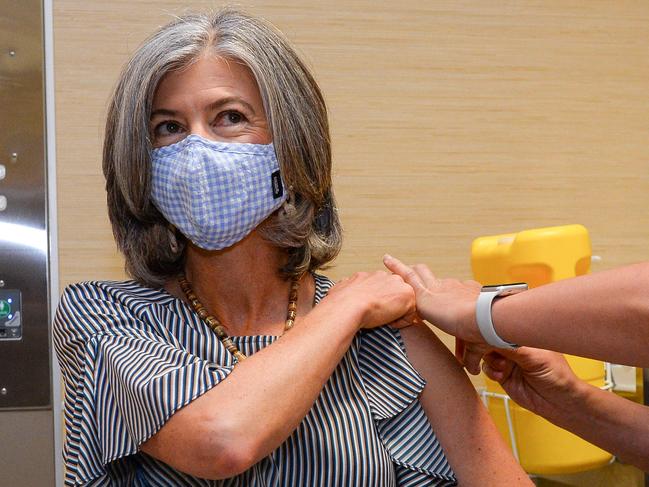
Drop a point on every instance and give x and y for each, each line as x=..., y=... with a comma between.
x=483, y=311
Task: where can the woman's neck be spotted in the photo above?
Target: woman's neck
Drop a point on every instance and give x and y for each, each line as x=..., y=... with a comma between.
x=242, y=287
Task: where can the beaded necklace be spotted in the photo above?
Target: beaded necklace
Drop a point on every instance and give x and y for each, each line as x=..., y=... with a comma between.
x=219, y=329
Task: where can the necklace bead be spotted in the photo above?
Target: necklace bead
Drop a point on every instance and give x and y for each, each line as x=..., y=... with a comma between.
x=219, y=329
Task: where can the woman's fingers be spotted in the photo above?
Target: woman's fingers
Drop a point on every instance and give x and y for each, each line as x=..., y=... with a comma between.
x=381, y=298
x=407, y=320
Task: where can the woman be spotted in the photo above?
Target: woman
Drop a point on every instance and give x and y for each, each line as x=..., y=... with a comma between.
x=228, y=358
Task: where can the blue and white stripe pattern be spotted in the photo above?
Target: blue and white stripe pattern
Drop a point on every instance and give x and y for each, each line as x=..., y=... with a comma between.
x=131, y=356
x=216, y=193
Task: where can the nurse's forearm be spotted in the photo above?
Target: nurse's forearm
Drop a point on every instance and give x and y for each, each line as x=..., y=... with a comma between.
x=607, y=420
x=604, y=315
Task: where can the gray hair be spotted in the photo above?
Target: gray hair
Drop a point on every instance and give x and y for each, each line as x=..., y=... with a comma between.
x=307, y=226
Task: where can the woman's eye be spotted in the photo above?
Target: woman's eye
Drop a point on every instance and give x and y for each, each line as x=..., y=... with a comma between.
x=233, y=118
x=166, y=128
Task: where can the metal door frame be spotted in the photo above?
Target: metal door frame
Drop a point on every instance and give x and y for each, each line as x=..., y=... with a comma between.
x=57, y=405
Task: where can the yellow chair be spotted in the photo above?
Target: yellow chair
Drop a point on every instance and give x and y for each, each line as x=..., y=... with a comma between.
x=538, y=257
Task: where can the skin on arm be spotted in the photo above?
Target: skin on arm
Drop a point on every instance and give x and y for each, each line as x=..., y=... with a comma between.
x=473, y=446
x=543, y=382
x=273, y=389
x=604, y=315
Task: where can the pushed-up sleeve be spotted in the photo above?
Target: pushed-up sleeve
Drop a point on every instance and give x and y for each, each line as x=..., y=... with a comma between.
x=123, y=378
x=393, y=387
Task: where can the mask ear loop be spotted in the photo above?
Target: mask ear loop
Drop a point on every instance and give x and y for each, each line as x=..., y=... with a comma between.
x=322, y=219
x=288, y=207
x=173, y=241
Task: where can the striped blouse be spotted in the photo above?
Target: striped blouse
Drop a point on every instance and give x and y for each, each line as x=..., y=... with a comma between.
x=131, y=356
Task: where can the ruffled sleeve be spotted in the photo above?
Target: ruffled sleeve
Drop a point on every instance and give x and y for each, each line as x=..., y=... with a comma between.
x=123, y=378
x=393, y=387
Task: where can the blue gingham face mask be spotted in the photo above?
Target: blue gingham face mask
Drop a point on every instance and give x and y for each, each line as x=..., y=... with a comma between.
x=216, y=193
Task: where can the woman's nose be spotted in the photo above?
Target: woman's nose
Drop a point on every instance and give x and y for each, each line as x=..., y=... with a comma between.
x=203, y=130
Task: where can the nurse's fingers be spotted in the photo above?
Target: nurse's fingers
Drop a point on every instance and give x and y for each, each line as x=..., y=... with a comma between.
x=497, y=367
x=407, y=273
x=459, y=350
x=472, y=361
x=471, y=355
x=426, y=275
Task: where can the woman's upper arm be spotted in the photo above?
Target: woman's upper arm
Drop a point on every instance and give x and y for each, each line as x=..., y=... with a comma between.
x=462, y=425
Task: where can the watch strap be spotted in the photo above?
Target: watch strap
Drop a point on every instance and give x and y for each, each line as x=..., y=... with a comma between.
x=484, y=320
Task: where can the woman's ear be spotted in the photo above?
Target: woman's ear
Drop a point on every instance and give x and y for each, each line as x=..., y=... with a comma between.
x=174, y=237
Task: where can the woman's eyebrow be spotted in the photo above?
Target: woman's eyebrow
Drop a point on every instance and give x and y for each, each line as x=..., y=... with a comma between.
x=230, y=99
x=162, y=111
x=212, y=106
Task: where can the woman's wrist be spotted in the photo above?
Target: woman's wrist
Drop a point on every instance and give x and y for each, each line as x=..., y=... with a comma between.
x=348, y=313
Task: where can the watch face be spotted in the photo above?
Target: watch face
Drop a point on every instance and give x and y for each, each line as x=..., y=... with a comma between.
x=505, y=289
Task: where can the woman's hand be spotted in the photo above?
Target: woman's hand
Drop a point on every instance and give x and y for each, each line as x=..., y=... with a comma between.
x=214, y=427
x=448, y=304
x=377, y=298
x=538, y=380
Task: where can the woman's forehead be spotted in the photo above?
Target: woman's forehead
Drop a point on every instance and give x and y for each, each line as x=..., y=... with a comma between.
x=209, y=76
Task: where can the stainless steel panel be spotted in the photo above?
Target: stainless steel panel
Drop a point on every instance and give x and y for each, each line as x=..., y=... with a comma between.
x=22, y=121
x=26, y=421
x=25, y=363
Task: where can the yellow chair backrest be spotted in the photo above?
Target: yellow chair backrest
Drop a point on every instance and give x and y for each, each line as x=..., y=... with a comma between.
x=538, y=257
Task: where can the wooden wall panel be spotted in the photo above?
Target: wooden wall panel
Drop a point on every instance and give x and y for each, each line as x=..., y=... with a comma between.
x=450, y=120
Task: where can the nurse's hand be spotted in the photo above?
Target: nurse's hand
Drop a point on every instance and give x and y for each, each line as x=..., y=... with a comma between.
x=448, y=304
x=470, y=354
x=539, y=380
